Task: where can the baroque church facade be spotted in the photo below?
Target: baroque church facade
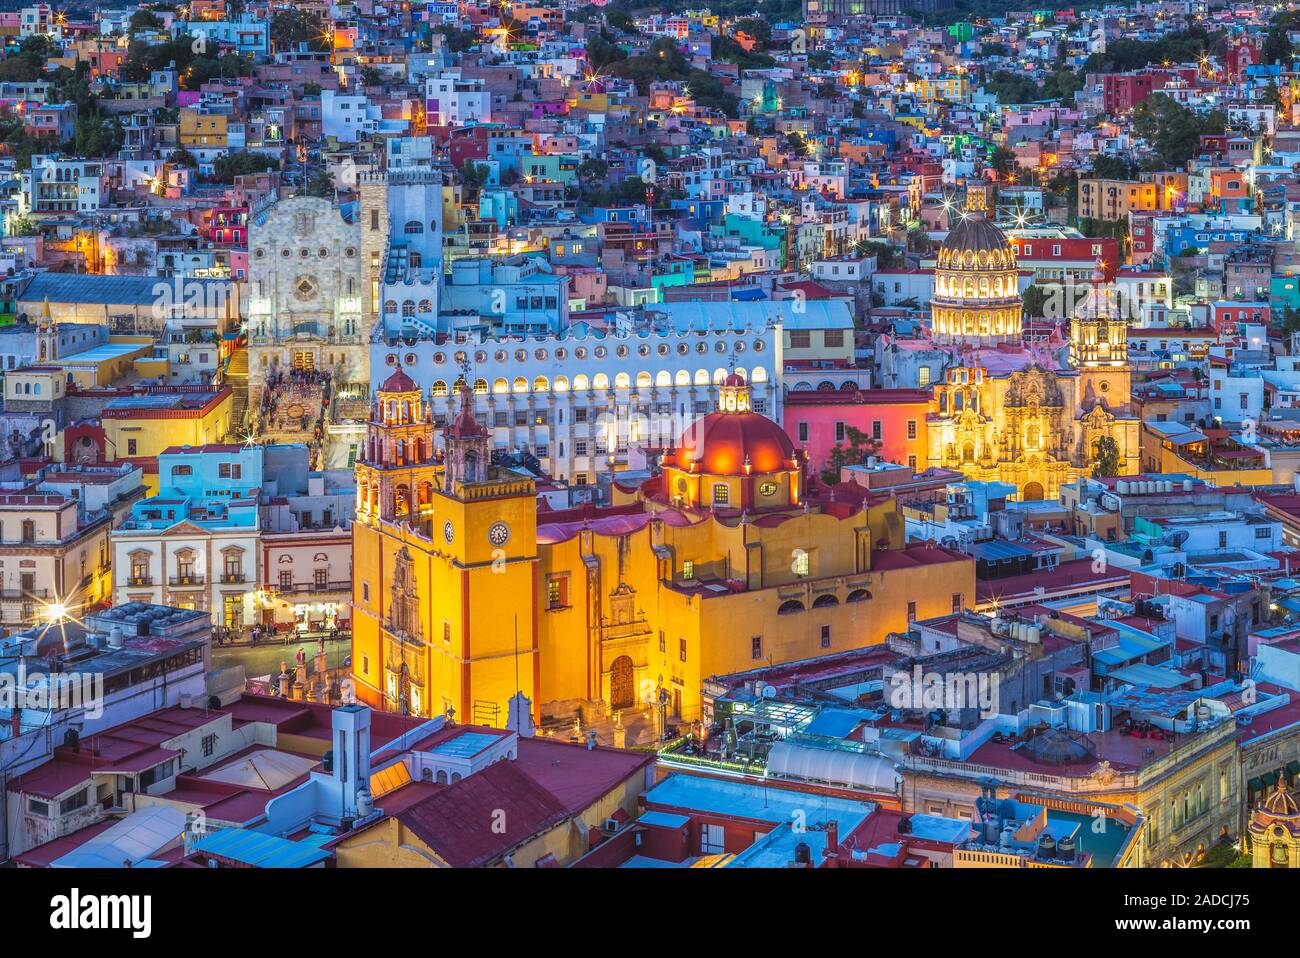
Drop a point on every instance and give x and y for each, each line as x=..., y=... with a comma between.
x=1031, y=416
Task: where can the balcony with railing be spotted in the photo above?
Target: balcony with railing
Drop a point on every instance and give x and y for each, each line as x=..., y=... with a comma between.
x=186, y=580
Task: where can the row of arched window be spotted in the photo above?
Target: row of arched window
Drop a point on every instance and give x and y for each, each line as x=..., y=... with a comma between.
x=822, y=602
x=581, y=383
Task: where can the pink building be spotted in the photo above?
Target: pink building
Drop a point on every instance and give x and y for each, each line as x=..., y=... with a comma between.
x=818, y=420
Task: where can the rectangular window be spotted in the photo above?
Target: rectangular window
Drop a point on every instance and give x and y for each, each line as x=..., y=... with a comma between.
x=833, y=337
x=130, y=447
x=923, y=376
x=911, y=612
x=209, y=744
x=286, y=580
x=446, y=631
x=756, y=647
x=839, y=432
x=956, y=602
x=688, y=569
x=800, y=339
x=663, y=642
x=802, y=563
x=877, y=431
x=681, y=649
x=911, y=429
x=721, y=494
x=803, y=432
x=230, y=470
x=826, y=636
x=557, y=591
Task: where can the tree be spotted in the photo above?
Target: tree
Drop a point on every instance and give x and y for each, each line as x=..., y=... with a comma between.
x=292, y=26
x=1173, y=131
x=1002, y=160
x=860, y=448
x=1105, y=461
x=241, y=163
x=321, y=184
x=474, y=175
x=143, y=21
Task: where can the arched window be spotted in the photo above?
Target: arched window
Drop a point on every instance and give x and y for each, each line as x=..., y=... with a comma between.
x=622, y=381
x=414, y=228
x=858, y=595
x=541, y=385
x=825, y=602
x=561, y=384
x=520, y=385
x=662, y=378
x=439, y=387
x=580, y=383
x=480, y=387
x=644, y=380
x=390, y=306
x=790, y=607
x=682, y=378
x=408, y=308
x=426, y=306
x=701, y=377
x=500, y=386
x=600, y=381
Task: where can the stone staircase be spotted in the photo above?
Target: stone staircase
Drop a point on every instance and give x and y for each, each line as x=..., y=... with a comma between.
x=237, y=379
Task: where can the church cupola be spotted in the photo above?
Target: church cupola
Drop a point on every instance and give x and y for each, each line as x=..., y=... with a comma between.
x=395, y=478
x=466, y=440
x=734, y=459
x=1098, y=330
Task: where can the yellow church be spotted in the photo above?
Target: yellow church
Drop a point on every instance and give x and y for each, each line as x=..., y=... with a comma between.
x=1028, y=416
x=725, y=560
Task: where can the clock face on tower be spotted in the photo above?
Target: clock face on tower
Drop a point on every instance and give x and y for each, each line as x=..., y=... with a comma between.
x=498, y=533
x=448, y=532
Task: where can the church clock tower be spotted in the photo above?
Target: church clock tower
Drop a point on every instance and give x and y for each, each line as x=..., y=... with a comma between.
x=446, y=560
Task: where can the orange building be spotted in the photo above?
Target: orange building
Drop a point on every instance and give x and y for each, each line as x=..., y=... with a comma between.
x=730, y=557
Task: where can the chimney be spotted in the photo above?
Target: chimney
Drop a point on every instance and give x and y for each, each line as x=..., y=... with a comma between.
x=832, y=840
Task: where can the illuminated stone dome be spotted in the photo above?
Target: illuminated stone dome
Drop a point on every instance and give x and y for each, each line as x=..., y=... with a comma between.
x=399, y=382
x=976, y=283
x=733, y=457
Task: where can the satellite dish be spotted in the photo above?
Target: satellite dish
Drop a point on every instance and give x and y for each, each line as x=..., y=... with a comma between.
x=769, y=692
x=1177, y=539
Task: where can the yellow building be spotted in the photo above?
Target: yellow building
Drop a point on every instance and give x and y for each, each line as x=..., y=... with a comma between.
x=206, y=130
x=1013, y=414
x=140, y=425
x=723, y=561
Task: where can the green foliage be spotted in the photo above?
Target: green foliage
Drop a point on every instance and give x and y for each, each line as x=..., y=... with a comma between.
x=458, y=41
x=28, y=63
x=1224, y=855
x=860, y=448
x=1105, y=462
x=1111, y=167
x=1002, y=160
x=1011, y=87
x=1277, y=44
x=292, y=26
x=144, y=21
x=1173, y=131
x=474, y=175
x=1123, y=55
x=887, y=255
x=321, y=184
x=241, y=163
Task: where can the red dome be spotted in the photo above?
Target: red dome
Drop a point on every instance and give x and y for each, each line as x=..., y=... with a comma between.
x=399, y=382
x=723, y=441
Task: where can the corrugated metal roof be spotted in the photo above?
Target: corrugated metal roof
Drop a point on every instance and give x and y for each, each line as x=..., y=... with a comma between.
x=260, y=850
x=110, y=290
